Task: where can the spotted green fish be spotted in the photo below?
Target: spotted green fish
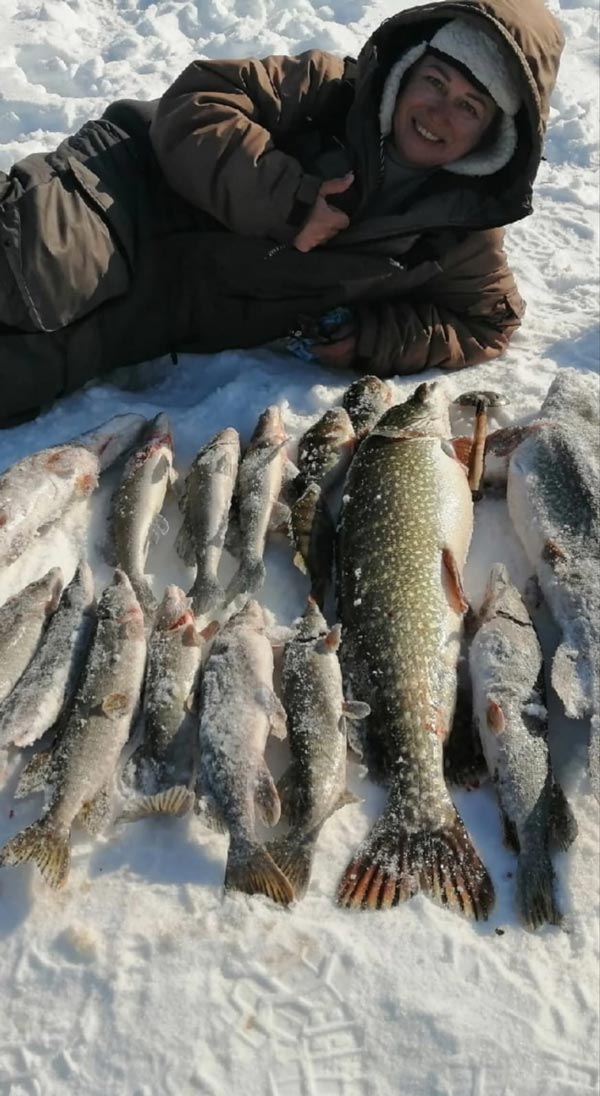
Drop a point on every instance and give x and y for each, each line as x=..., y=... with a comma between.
x=404, y=533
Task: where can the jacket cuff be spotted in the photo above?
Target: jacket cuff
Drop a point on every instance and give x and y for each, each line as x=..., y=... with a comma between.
x=302, y=203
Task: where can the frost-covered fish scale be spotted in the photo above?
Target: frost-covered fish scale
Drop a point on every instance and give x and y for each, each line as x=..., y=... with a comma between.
x=238, y=710
x=49, y=681
x=80, y=769
x=258, y=487
x=509, y=709
x=325, y=449
x=403, y=537
x=165, y=763
x=205, y=504
x=314, y=786
x=365, y=400
x=137, y=505
x=36, y=491
x=553, y=495
x=22, y=620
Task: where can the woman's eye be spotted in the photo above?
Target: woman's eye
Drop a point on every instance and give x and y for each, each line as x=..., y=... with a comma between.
x=435, y=82
x=469, y=108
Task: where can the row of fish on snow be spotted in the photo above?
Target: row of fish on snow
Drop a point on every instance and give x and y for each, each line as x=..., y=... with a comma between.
x=383, y=679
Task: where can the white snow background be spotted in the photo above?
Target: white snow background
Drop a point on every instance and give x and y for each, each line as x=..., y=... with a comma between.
x=141, y=978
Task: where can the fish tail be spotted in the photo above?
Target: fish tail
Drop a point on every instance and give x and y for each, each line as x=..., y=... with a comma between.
x=294, y=855
x=395, y=863
x=44, y=843
x=535, y=891
x=207, y=593
x=563, y=824
x=177, y=800
x=248, y=579
x=252, y=870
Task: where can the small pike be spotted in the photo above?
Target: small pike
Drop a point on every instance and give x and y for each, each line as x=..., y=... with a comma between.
x=38, y=490
x=22, y=621
x=312, y=532
x=49, y=682
x=510, y=711
x=166, y=760
x=205, y=504
x=137, y=504
x=326, y=449
x=238, y=710
x=80, y=770
x=366, y=400
x=314, y=786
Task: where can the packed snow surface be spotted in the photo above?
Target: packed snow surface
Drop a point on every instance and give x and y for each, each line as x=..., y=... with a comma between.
x=141, y=978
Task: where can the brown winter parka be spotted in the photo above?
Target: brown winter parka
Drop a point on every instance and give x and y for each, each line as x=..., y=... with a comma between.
x=118, y=247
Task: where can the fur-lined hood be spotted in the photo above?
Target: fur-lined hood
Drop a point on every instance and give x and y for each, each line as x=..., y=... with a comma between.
x=534, y=39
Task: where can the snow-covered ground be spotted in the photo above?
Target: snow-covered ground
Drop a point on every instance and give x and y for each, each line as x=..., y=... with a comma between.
x=140, y=978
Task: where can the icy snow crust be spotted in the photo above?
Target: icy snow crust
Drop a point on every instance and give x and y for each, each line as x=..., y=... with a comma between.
x=140, y=978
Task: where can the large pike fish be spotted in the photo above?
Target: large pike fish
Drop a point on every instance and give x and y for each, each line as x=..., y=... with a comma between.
x=404, y=533
x=510, y=712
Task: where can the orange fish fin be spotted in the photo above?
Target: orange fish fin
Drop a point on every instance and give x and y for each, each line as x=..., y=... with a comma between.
x=454, y=588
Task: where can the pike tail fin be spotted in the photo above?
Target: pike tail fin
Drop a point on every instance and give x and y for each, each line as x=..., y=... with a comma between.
x=535, y=891
x=395, y=863
x=294, y=854
x=45, y=844
x=252, y=870
x=177, y=800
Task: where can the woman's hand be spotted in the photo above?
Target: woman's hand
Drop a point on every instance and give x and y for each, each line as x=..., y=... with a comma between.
x=324, y=221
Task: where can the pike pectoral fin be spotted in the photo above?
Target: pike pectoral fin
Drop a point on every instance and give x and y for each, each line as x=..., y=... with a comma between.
x=356, y=710
x=266, y=798
x=158, y=528
x=394, y=863
x=252, y=871
x=279, y=521
x=36, y=776
x=45, y=844
x=453, y=585
x=95, y=814
x=277, y=714
x=461, y=449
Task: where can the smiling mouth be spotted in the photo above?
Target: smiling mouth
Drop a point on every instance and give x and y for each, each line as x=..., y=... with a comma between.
x=427, y=134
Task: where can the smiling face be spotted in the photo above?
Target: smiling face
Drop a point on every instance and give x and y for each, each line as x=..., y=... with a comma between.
x=439, y=115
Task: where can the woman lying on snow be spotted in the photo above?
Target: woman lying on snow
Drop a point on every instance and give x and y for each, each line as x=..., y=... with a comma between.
x=257, y=197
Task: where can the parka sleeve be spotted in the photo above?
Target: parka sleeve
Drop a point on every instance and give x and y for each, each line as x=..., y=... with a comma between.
x=216, y=131
x=464, y=315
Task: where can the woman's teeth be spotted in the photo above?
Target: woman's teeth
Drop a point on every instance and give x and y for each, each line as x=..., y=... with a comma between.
x=427, y=133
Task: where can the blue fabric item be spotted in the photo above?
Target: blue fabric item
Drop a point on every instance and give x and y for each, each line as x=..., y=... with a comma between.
x=302, y=345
